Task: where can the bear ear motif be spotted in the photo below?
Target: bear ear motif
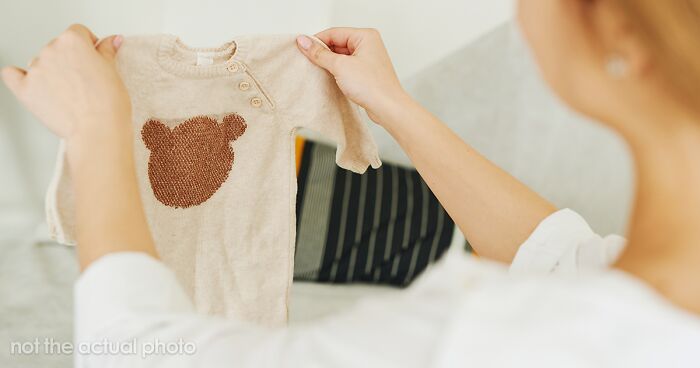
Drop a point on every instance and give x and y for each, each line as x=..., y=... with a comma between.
x=156, y=135
x=233, y=127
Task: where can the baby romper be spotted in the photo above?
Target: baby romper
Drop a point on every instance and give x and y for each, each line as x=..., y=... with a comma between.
x=214, y=147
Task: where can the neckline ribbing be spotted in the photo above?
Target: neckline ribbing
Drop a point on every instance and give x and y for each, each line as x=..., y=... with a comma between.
x=170, y=45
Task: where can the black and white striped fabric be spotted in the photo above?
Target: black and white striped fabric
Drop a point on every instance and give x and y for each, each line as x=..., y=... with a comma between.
x=384, y=226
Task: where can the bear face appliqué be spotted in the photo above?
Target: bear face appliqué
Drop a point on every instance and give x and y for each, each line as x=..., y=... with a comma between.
x=189, y=163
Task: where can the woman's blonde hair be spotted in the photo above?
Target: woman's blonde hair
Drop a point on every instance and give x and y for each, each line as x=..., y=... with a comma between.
x=672, y=30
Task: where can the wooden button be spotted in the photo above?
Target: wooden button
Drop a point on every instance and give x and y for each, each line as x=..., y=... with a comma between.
x=232, y=68
x=244, y=86
x=256, y=102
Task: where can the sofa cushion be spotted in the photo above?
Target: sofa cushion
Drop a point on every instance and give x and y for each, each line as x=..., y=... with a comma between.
x=384, y=226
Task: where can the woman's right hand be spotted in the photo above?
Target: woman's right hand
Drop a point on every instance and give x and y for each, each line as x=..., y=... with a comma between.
x=361, y=66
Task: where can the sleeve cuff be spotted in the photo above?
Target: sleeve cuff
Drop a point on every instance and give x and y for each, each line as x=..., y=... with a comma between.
x=356, y=165
x=122, y=286
x=557, y=236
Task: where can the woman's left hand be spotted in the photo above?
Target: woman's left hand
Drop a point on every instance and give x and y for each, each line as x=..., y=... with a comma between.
x=72, y=86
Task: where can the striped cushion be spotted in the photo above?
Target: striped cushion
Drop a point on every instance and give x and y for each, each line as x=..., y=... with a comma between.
x=384, y=226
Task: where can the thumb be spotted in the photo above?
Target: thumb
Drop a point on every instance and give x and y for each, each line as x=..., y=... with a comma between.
x=108, y=46
x=13, y=77
x=318, y=53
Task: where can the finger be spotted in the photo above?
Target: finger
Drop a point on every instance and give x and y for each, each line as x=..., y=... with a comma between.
x=341, y=50
x=344, y=37
x=13, y=78
x=108, y=46
x=338, y=36
x=318, y=53
x=84, y=32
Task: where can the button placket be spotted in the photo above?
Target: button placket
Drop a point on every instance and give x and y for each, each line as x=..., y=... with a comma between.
x=233, y=68
x=245, y=85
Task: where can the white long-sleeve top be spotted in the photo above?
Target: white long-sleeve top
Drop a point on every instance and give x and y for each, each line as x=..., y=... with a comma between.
x=131, y=312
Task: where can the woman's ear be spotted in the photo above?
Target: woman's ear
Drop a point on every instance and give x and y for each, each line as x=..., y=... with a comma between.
x=233, y=127
x=156, y=135
x=622, y=50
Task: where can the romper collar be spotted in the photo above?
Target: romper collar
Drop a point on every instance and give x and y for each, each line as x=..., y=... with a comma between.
x=171, y=46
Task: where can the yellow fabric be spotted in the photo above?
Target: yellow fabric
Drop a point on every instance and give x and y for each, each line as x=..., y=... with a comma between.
x=299, y=151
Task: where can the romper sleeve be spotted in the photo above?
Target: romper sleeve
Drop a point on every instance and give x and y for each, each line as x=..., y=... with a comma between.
x=308, y=97
x=565, y=243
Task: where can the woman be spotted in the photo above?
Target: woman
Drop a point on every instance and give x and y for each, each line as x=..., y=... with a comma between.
x=634, y=65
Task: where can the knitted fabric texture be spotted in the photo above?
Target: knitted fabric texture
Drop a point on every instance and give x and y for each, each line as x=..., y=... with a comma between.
x=214, y=147
x=188, y=164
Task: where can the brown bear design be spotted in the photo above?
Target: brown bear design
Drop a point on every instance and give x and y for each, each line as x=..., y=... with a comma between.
x=189, y=164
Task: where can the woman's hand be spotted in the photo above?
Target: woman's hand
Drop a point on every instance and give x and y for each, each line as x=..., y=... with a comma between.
x=361, y=66
x=72, y=86
x=496, y=212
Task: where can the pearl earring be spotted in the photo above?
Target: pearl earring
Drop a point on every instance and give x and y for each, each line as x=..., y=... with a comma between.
x=617, y=66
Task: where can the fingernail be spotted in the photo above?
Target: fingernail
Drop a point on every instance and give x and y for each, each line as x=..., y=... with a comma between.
x=304, y=42
x=117, y=41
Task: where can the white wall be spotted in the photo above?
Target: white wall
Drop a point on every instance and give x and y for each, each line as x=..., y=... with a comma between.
x=416, y=34
x=202, y=22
